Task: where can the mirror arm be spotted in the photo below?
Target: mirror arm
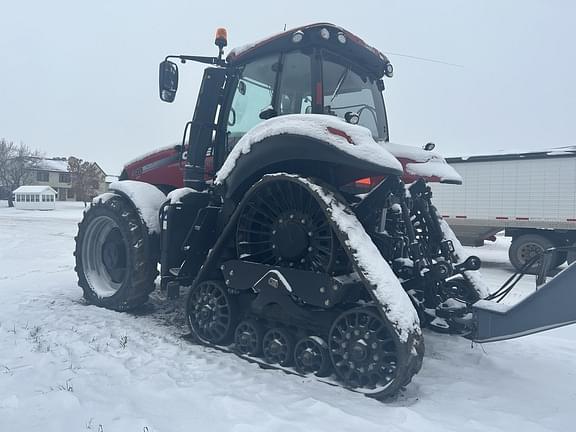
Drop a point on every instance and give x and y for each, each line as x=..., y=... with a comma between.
x=201, y=59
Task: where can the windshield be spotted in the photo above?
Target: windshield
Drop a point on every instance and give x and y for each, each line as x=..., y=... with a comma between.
x=348, y=89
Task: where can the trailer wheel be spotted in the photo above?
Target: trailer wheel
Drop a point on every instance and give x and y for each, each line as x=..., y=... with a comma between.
x=116, y=258
x=571, y=256
x=527, y=246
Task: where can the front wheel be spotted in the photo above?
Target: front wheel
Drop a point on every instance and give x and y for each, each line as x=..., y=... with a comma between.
x=116, y=257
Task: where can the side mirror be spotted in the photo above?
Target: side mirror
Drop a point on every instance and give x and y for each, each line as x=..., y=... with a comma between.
x=168, y=81
x=429, y=146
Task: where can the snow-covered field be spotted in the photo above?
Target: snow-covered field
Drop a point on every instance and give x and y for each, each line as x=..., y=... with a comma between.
x=67, y=366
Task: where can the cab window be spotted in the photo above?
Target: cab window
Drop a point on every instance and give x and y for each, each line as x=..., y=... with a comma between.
x=294, y=91
x=253, y=95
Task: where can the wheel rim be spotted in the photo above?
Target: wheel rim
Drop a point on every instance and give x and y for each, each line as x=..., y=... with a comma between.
x=282, y=224
x=311, y=356
x=277, y=347
x=210, y=313
x=362, y=350
x=104, y=256
x=527, y=252
x=248, y=338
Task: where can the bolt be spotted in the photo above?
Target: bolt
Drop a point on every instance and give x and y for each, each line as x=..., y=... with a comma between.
x=309, y=248
x=302, y=260
x=227, y=281
x=273, y=232
x=309, y=233
x=273, y=246
x=303, y=221
x=291, y=216
x=374, y=345
x=357, y=332
x=376, y=357
x=280, y=220
x=327, y=302
x=335, y=287
x=222, y=267
x=322, y=289
x=345, y=356
x=231, y=273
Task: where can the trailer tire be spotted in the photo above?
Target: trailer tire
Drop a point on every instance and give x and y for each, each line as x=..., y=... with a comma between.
x=571, y=256
x=116, y=257
x=526, y=246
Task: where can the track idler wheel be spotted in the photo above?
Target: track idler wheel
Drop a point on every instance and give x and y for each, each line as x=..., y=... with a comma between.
x=364, y=352
x=311, y=356
x=211, y=312
x=278, y=346
x=248, y=338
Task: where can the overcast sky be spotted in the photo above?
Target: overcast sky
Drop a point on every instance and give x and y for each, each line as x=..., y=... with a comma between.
x=80, y=78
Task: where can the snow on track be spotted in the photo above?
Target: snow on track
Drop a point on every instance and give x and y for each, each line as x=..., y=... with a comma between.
x=67, y=366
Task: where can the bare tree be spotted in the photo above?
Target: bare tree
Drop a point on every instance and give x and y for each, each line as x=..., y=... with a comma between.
x=84, y=178
x=16, y=160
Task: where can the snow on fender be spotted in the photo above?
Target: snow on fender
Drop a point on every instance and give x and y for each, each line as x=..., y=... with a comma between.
x=147, y=199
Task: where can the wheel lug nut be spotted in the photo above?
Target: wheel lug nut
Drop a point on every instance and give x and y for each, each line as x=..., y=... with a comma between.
x=309, y=248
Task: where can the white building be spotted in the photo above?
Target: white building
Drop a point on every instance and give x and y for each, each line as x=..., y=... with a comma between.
x=35, y=198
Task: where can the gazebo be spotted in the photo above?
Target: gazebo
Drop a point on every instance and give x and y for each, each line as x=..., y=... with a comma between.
x=35, y=198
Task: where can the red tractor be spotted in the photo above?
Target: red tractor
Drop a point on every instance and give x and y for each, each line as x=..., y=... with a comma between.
x=302, y=237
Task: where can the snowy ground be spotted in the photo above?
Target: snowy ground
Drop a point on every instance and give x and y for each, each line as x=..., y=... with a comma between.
x=67, y=366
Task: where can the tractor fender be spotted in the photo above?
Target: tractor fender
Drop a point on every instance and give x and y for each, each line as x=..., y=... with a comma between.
x=321, y=146
x=145, y=198
x=298, y=154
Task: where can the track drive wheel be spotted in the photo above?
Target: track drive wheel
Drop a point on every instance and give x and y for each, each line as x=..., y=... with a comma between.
x=248, y=337
x=278, y=346
x=282, y=224
x=116, y=257
x=311, y=356
x=367, y=354
x=211, y=312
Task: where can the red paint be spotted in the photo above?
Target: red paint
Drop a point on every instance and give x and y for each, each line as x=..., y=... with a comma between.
x=340, y=133
x=319, y=94
x=411, y=178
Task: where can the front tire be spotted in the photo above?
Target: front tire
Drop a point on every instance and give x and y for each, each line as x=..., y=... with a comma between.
x=116, y=257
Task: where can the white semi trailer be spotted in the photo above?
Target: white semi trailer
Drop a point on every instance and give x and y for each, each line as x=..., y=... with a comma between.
x=529, y=196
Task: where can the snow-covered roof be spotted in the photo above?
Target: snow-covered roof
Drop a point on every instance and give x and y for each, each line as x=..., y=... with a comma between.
x=566, y=151
x=34, y=190
x=54, y=165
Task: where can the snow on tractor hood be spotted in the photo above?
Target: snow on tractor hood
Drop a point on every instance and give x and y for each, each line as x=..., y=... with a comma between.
x=420, y=163
x=352, y=139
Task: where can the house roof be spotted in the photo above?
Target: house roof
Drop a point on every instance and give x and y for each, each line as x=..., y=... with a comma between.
x=35, y=189
x=54, y=165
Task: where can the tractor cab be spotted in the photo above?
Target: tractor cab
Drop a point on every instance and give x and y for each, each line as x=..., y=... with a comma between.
x=315, y=69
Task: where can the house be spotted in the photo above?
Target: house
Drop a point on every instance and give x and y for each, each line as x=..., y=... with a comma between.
x=54, y=173
x=35, y=198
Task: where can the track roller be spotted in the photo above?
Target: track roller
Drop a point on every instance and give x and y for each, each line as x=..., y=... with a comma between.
x=248, y=338
x=211, y=312
x=278, y=346
x=311, y=356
